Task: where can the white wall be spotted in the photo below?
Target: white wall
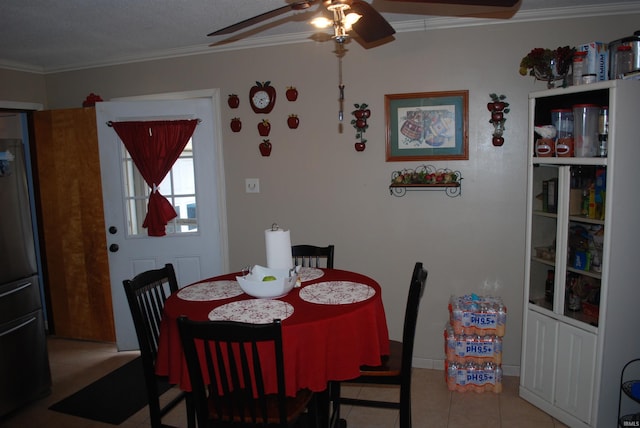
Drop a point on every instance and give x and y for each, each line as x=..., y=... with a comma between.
x=10, y=126
x=317, y=185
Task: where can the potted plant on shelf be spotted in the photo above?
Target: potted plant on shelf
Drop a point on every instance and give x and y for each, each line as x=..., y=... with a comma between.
x=548, y=65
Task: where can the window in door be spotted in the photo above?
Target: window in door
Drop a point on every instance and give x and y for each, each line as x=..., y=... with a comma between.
x=178, y=187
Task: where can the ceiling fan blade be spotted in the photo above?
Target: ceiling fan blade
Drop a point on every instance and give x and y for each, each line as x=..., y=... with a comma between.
x=372, y=26
x=499, y=3
x=263, y=17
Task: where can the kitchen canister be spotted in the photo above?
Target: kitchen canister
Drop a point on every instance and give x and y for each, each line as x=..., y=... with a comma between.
x=562, y=119
x=564, y=147
x=634, y=43
x=585, y=130
x=545, y=147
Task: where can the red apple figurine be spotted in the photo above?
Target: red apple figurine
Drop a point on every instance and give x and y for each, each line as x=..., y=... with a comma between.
x=360, y=146
x=498, y=141
x=233, y=101
x=291, y=93
x=236, y=124
x=265, y=148
x=293, y=121
x=497, y=116
x=91, y=100
x=264, y=128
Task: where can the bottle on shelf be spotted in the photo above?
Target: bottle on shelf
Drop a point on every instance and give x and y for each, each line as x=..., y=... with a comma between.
x=578, y=66
x=573, y=298
x=603, y=131
x=548, y=286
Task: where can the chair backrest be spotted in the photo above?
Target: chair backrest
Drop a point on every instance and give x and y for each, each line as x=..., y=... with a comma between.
x=146, y=294
x=416, y=291
x=229, y=351
x=311, y=255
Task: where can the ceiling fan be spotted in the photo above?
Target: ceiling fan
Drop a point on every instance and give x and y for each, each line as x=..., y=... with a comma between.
x=356, y=15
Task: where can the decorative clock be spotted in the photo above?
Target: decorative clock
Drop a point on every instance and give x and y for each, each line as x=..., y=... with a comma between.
x=262, y=97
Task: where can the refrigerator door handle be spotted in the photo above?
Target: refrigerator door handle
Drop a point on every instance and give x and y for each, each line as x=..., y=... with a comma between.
x=18, y=327
x=15, y=290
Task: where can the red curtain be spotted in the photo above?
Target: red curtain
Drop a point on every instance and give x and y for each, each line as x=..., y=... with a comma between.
x=154, y=147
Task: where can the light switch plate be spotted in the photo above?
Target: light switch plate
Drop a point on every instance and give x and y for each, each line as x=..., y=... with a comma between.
x=252, y=185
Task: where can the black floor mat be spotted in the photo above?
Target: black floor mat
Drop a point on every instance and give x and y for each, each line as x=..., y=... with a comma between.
x=113, y=398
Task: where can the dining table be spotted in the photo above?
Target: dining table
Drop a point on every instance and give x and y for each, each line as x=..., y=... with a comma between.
x=333, y=322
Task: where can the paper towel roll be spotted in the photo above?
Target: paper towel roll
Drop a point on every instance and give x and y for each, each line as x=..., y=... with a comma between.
x=278, y=243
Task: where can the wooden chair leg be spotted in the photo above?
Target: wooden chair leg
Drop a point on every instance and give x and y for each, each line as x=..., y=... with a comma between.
x=405, y=409
x=334, y=397
x=191, y=410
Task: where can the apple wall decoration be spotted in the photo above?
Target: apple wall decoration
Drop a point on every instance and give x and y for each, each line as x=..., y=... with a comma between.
x=236, y=124
x=265, y=148
x=291, y=93
x=262, y=97
x=361, y=114
x=233, y=101
x=498, y=108
x=264, y=128
x=293, y=121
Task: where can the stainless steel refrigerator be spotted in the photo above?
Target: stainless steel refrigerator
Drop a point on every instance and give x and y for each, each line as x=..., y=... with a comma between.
x=24, y=363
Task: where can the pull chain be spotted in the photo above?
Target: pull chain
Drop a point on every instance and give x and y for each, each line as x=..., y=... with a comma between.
x=340, y=53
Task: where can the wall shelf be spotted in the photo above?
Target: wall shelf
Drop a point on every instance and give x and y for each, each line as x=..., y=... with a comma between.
x=451, y=190
x=426, y=177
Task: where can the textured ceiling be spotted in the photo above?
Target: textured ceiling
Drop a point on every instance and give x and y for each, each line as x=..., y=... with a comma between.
x=55, y=35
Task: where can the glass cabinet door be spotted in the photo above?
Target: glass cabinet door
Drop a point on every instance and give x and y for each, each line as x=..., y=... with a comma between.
x=544, y=230
x=585, y=237
x=567, y=236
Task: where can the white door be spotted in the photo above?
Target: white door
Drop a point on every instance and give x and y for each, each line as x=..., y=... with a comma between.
x=196, y=241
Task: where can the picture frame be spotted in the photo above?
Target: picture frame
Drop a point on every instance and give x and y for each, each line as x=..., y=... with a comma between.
x=427, y=126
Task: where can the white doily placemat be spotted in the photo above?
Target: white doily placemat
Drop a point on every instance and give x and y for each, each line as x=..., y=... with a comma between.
x=255, y=311
x=211, y=290
x=309, y=274
x=336, y=293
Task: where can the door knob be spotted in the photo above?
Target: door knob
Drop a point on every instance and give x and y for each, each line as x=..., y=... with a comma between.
x=114, y=248
x=113, y=230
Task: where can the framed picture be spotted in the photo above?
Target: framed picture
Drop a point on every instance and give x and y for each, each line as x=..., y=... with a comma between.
x=427, y=126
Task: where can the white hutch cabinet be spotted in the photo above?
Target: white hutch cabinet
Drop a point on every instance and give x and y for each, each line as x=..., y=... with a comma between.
x=582, y=287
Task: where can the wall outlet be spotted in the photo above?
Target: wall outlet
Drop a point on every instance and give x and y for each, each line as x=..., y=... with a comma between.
x=252, y=185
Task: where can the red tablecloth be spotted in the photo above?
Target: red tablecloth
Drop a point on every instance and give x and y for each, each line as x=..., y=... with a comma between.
x=321, y=342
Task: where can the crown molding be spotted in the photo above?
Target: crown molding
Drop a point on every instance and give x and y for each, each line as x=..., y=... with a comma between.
x=427, y=24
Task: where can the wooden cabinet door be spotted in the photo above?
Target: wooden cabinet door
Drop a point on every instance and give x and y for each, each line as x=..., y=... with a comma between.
x=576, y=366
x=69, y=195
x=539, y=362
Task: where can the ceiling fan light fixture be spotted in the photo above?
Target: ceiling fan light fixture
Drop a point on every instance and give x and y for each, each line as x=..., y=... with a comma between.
x=351, y=19
x=341, y=22
x=337, y=5
x=321, y=22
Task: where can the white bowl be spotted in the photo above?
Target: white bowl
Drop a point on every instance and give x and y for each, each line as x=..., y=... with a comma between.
x=253, y=285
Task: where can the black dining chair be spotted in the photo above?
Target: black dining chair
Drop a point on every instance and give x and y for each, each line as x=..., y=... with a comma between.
x=396, y=367
x=146, y=294
x=312, y=256
x=234, y=392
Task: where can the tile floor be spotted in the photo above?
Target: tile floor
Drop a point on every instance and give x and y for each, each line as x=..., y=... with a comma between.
x=74, y=364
